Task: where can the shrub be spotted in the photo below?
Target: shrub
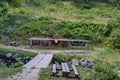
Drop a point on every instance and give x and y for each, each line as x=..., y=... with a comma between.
x=114, y=38
x=53, y=1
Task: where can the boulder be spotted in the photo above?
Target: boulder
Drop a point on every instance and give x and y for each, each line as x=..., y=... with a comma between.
x=90, y=64
x=87, y=63
x=8, y=55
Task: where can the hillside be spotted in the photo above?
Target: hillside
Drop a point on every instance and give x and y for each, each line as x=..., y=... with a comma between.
x=96, y=21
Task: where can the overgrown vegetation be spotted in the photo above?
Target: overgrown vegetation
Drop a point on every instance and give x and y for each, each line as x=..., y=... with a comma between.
x=5, y=72
x=95, y=20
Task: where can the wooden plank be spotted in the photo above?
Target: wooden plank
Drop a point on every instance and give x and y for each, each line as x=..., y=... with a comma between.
x=45, y=61
x=54, y=69
x=65, y=70
x=63, y=67
x=75, y=71
x=34, y=61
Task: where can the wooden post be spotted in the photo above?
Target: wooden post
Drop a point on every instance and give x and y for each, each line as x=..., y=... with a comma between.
x=30, y=43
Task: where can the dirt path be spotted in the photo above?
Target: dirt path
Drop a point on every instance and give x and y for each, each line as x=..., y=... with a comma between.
x=48, y=51
x=32, y=69
x=25, y=74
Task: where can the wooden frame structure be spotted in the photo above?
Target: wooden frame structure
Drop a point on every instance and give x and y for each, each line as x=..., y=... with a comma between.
x=57, y=42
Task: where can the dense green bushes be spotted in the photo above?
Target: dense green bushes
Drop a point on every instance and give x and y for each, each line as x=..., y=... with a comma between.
x=3, y=8
x=48, y=27
x=114, y=38
x=64, y=29
x=83, y=30
x=42, y=3
x=15, y=3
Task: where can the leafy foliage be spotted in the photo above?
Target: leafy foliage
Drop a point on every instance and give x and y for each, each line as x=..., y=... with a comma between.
x=3, y=8
x=15, y=3
x=114, y=38
x=61, y=20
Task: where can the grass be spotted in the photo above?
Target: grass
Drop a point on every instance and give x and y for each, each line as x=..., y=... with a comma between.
x=59, y=48
x=24, y=22
x=110, y=56
x=106, y=63
x=68, y=12
x=5, y=72
x=13, y=51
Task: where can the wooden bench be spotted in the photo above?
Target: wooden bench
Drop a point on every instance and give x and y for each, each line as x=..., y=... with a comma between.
x=75, y=71
x=65, y=69
x=54, y=71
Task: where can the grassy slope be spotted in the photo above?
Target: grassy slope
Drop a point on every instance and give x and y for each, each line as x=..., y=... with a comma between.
x=23, y=22
x=62, y=11
x=101, y=13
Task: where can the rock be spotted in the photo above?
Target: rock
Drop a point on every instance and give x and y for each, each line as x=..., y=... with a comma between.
x=87, y=63
x=90, y=64
x=8, y=55
x=15, y=56
x=83, y=62
x=8, y=63
x=75, y=62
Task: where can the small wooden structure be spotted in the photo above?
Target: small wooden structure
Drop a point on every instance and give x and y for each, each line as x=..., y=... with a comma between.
x=65, y=71
x=58, y=42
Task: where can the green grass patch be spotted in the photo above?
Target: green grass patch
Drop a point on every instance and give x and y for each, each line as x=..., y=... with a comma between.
x=21, y=54
x=59, y=48
x=5, y=72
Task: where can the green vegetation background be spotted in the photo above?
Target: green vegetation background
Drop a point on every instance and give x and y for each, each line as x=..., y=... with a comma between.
x=96, y=20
